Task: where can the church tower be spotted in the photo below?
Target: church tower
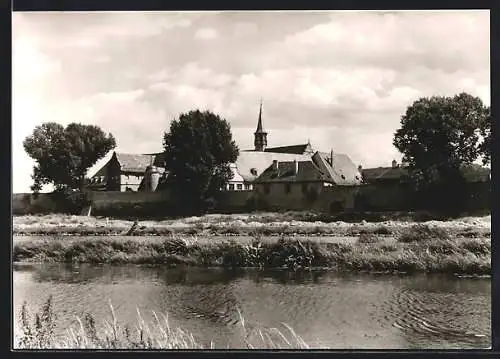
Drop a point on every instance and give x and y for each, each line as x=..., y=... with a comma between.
x=260, y=136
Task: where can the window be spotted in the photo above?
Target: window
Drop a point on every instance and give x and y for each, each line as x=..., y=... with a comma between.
x=267, y=188
x=304, y=187
x=248, y=186
x=231, y=186
x=342, y=176
x=253, y=171
x=239, y=186
x=288, y=188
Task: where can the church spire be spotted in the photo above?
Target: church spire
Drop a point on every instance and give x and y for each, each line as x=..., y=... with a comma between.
x=259, y=123
x=260, y=136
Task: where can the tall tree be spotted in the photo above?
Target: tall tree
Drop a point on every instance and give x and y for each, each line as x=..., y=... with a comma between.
x=63, y=155
x=439, y=135
x=198, y=151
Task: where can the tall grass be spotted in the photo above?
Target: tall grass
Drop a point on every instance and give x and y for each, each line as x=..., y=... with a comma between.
x=370, y=253
x=40, y=333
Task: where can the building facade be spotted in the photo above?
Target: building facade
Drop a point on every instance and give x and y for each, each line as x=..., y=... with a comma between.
x=129, y=172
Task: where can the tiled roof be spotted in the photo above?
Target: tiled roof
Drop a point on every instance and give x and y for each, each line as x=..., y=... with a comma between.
x=251, y=164
x=134, y=163
x=307, y=172
x=384, y=173
x=295, y=149
x=472, y=173
x=342, y=170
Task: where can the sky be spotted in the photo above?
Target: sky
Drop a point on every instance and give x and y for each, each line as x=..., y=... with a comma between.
x=341, y=80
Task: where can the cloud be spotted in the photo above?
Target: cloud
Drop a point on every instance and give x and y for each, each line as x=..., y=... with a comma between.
x=245, y=29
x=205, y=33
x=341, y=80
x=396, y=41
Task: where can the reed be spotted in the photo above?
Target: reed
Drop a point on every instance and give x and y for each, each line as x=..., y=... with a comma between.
x=39, y=333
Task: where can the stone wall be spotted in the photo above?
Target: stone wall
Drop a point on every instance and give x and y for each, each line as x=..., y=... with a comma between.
x=27, y=203
x=277, y=196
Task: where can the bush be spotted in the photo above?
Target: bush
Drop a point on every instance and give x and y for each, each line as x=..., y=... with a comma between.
x=478, y=247
x=368, y=238
x=382, y=230
x=423, y=233
x=71, y=202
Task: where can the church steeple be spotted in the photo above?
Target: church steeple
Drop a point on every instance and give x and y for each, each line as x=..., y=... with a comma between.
x=260, y=136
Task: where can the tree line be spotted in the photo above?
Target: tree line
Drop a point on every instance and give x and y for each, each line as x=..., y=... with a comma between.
x=437, y=136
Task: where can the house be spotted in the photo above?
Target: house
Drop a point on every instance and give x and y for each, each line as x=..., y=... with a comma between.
x=126, y=172
x=398, y=173
x=300, y=183
x=250, y=165
x=293, y=178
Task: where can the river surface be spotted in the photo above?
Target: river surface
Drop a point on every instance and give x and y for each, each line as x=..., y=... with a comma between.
x=327, y=309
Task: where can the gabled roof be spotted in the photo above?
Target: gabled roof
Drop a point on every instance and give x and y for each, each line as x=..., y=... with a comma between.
x=342, y=170
x=307, y=172
x=251, y=164
x=133, y=163
x=293, y=149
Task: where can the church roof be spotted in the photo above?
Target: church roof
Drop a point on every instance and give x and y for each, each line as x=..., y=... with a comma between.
x=295, y=149
x=259, y=122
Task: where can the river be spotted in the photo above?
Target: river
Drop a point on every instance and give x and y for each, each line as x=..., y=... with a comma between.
x=327, y=309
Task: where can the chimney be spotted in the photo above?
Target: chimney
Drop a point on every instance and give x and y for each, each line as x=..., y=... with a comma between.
x=295, y=166
x=394, y=164
x=275, y=165
x=331, y=157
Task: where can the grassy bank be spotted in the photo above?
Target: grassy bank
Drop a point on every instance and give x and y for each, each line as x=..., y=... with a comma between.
x=263, y=224
x=419, y=248
x=38, y=332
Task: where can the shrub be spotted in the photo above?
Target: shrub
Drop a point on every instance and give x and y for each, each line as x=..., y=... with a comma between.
x=71, y=202
x=423, y=233
x=388, y=247
x=383, y=230
x=368, y=238
x=477, y=247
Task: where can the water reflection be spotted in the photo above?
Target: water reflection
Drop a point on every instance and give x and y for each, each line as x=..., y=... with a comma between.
x=327, y=309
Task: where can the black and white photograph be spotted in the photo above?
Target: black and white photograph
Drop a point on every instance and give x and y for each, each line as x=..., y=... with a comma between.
x=251, y=180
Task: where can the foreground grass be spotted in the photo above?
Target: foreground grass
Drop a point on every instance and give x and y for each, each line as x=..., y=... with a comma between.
x=263, y=224
x=38, y=332
x=419, y=248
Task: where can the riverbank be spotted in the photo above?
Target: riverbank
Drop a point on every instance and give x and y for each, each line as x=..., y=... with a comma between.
x=418, y=248
x=37, y=332
x=262, y=224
